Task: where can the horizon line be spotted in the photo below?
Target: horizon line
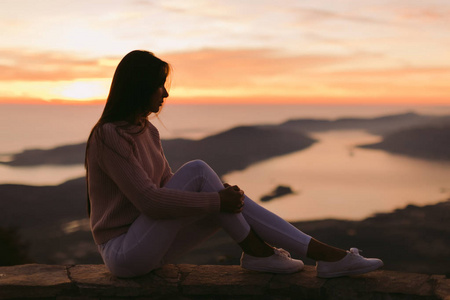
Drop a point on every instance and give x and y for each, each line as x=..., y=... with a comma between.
x=254, y=100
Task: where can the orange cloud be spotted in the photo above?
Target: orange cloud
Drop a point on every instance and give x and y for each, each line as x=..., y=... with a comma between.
x=266, y=74
x=423, y=14
x=318, y=15
x=224, y=68
x=16, y=65
x=425, y=82
x=397, y=72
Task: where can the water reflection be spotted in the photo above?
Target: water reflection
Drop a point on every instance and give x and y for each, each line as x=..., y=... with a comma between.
x=337, y=180
x=76, y=225
x=40, y=175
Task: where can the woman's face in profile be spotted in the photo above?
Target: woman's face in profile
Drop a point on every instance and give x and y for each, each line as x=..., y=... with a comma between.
x=157, y=99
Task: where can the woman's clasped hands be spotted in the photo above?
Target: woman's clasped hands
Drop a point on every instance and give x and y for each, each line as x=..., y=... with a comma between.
x=231, y=199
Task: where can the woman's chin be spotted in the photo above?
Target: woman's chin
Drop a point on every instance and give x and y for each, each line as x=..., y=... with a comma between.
x=156, y=109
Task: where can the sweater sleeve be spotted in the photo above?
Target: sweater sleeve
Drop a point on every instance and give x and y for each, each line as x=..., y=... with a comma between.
x=167, y=173
x=117, y=159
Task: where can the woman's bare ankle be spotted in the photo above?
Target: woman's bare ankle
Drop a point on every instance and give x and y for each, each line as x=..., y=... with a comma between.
x=253, y=245
x=323, y=252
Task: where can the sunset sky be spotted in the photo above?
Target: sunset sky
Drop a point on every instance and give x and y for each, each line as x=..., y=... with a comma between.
x=279, y=51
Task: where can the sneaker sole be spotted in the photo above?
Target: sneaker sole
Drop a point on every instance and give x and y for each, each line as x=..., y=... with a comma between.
x=350, y=272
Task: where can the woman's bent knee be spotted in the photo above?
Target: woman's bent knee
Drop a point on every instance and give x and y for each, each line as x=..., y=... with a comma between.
x=198, y=167
x=196, y=164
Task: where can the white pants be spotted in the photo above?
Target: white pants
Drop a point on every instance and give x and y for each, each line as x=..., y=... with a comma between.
x=150, y=243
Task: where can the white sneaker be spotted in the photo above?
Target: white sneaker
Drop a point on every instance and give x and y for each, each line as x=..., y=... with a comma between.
x=351, y=264
x=279, y=262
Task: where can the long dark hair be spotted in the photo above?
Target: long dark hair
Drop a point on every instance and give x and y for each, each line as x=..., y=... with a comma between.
x=137, y=77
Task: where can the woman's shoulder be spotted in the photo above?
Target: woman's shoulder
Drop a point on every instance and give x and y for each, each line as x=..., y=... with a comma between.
x=115, y=132
x=122, y=127
x=111, y=137
x=150, y=126
x=152, y=131
x=127, y=131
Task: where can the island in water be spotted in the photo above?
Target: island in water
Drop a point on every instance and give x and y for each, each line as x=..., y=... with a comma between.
x=279, y=191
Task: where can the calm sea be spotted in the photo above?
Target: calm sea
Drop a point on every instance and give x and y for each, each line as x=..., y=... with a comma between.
x=331, y=178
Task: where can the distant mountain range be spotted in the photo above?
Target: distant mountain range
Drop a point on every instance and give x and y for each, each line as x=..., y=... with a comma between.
x=378, y=126
x=235, y=149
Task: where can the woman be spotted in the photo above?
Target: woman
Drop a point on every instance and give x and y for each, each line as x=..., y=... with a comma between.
x=143, y=216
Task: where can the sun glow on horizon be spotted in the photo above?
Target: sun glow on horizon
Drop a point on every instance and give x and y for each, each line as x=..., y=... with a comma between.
x=82, y=90
x=77, y=90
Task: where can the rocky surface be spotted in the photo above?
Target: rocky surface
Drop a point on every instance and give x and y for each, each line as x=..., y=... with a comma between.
x=212, y=282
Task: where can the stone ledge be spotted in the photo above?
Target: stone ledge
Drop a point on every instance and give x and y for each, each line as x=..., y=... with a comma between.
x=92, y=282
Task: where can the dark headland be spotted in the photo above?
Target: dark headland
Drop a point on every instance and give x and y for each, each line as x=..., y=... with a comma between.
x=423, y=142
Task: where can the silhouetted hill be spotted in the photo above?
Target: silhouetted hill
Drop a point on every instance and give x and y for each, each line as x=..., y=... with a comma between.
x=426, y=142
x=62, y=155
x=379, y=125
x=237, y=148
x=411, y=239
x=28, y=206
x=40, y=212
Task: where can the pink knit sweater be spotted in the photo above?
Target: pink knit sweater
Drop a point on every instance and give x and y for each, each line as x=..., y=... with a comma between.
x=127, y=172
